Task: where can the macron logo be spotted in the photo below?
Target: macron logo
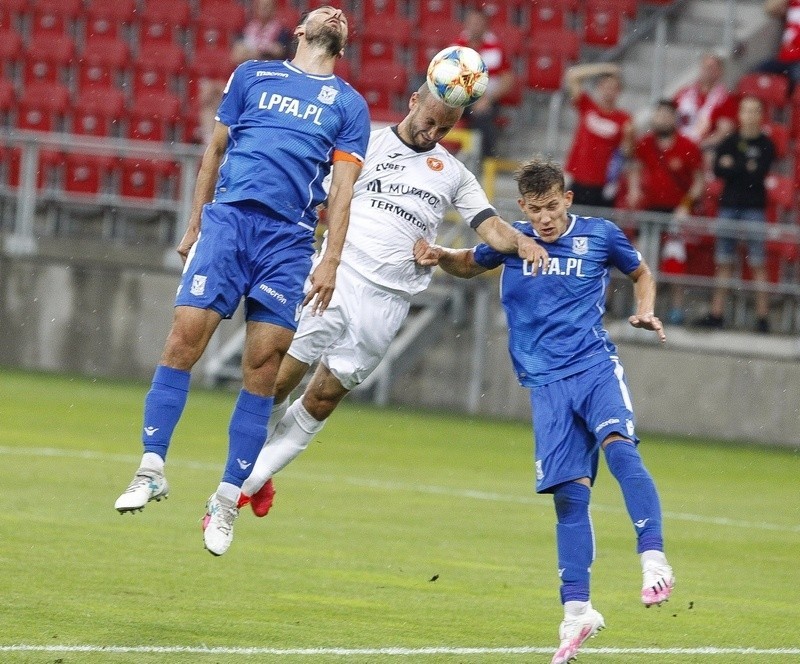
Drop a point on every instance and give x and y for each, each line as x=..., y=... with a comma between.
x=279, y=74
x=641, y=524
x=150, y=430
x=244, y=465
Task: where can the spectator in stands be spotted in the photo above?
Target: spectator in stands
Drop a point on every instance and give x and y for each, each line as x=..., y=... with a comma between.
x=482, y=115
x=264, y=38
x=787, y=59
x=603, y=133
x=666, y=174
x=742, y=160
x=706, y=110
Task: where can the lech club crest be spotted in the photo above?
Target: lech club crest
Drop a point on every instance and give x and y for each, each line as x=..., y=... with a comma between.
x=327, y=94
x=580, y=245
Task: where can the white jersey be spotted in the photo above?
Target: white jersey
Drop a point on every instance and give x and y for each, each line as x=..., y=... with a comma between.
x=401, y=196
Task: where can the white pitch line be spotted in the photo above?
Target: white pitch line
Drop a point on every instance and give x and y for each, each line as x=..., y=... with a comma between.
x=539, y=501
x=396, y=651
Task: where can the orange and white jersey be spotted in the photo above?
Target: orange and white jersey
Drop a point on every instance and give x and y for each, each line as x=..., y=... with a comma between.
x=401, y=196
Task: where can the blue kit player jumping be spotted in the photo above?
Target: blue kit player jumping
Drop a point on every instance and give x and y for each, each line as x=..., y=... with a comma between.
x=281, y=128
x=580, y=400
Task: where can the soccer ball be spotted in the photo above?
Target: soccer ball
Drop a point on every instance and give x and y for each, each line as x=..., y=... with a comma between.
x=457, y=76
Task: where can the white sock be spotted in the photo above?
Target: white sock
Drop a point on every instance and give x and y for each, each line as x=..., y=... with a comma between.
x=229, y=491
x=151, y=461
x=292, y=435
x=654, y=556
x=573, y=608
x=278, y=411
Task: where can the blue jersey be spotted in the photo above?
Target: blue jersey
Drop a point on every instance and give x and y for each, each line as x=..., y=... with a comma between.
x=555, y=319
x=283, y=128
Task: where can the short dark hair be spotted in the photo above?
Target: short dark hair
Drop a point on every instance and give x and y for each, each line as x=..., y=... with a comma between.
x=538, y=176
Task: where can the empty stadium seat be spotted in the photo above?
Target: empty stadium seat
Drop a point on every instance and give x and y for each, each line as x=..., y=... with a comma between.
x=383, y=85
x=603, y=23
x=109, y=18
x=432, y=37
x=158, y=64
x=98, y=112
x=164, y=21
x=436, y=10
x=152, y=116
x=10, y=51
x=54, y=17
x=498, y=11
x=377, y=8
x=145, y=177
x=547, y=15
x=10, y=13
x=548, y=56
x=208, y=63
x=376, y=44
x=49, y=59
x=771, y=89
x=7, y=100
x=218, y=23
x=102, y=62
x=43, y=106
x=86, y=173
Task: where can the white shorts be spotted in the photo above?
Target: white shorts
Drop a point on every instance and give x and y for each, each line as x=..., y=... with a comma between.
x=353, y=334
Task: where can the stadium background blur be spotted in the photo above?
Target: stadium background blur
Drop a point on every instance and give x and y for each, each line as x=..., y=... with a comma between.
x=99, y=147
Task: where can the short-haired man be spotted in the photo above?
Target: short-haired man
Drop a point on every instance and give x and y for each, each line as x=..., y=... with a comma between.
x=581, y=402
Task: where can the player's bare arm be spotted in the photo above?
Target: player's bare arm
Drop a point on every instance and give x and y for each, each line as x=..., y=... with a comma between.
x=644, y=290
x=323, y=279
x=458, y=262
x=204, y=187
x=503, y=237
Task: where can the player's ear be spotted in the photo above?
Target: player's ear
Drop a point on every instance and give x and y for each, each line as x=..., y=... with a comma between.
x=413, y=100
x=568, y=196
x=521, y=203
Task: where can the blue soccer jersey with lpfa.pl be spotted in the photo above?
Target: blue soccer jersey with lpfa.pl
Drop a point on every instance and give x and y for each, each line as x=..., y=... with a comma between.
x=555, y=319
x=284, y=126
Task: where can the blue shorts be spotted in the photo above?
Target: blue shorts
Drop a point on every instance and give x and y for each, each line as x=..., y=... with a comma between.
x=572, y=416
x=725, y=249
x=245, y=251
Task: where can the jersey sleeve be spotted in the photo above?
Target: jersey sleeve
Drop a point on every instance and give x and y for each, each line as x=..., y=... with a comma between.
x=621, y=253
x=232, y=104
x=470, y=200
x=354, y=135
x=487, y=257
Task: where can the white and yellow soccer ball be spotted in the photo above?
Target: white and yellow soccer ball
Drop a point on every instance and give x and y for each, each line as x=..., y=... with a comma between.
x=457, y=75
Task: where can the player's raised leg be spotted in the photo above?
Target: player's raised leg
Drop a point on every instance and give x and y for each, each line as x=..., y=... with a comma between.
x=265, y=346
x=191, y=330
x=304, y=419
x=575, y=542
x=644, y=509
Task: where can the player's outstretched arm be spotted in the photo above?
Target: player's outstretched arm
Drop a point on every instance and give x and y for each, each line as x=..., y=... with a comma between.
x=204, y=187
x=323, y=278
x=503, y=237
x=458, y=262
x=644, y=291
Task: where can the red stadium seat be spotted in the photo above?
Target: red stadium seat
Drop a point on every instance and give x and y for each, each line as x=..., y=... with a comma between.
x=10, y=12
x=145, y=177
x=603, y=23
x=7, y=100
x=771, y=89
x=152, y=116
x=54, y=17
x=164, y=21
x=43, y=106
x=86, y=173
x=107, y=18
x=209, y=63
x=510, y=37
x=102, y=62
x=780, y=197
x=98, y=112
x=383, y=85
x=431, y=38
x=549, y=54
x=10, y=51
x=379, y=8
x=49, y=59
x=498, y=11
x=779, y=134
x=547, y=15
x=218, y=23
x=437, y=10
x=157, y=66
x=376, y=44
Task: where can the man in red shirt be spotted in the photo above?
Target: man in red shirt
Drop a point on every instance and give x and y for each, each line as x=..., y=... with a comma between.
x=482, y=115
x=705, y=113
x=666, y=174
x=603, y=132
x=787, y=59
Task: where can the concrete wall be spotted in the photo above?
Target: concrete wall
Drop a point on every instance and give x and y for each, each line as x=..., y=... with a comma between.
x=98, y=320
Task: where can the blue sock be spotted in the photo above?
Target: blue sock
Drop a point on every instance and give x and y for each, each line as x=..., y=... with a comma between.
x=574, y=539
x=163, y=407
x=639, y=491
x=247, y=431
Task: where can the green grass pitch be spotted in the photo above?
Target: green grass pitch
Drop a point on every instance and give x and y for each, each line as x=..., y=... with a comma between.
x=383, y=502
